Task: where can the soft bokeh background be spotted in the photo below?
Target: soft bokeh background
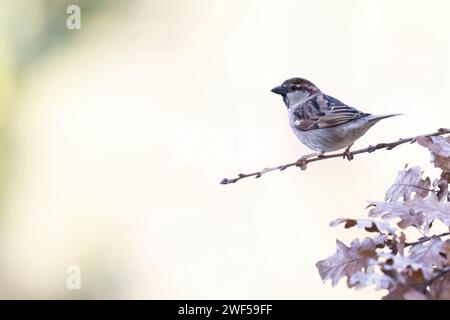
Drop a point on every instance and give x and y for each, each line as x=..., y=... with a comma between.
x=114, y=138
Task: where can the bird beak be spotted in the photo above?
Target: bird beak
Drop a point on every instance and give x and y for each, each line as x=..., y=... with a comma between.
x=279, y=90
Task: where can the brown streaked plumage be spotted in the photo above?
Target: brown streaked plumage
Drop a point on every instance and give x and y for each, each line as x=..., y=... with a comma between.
x=320, y=121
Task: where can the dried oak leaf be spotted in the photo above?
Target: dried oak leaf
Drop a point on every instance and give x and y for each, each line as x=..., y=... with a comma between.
x=445, y=252
x=348, y=260
x=415, y=212
x=404, y=292
x=399, y=209
x=408, y=181
x=428, y=252
x=414, y=295
x=400, y=244
x=405, y=269
x=441, y=185
x=415, y=276
x=440, y=150
x=369, y=225
x=440, y=288
x=365, y=279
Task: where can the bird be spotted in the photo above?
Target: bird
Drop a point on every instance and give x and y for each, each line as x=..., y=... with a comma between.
x=321, y=122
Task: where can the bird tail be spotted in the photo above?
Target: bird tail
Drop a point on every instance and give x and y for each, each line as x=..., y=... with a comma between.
x=376, y=118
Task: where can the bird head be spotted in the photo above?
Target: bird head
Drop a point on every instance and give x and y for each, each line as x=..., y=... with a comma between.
x=295, y=90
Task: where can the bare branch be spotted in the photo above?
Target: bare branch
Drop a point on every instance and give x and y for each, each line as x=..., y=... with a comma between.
x=426, y=238
x=346, y=154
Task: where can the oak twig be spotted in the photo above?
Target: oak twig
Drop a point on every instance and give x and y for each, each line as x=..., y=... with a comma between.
x=346, y=155
x=425, y=239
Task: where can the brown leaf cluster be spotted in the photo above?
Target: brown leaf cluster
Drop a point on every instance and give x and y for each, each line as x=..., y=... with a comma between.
x=410, y=269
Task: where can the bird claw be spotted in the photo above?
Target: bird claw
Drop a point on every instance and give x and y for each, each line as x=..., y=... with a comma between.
x=348, y=154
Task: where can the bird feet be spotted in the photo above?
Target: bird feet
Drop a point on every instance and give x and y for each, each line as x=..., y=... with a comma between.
x=348, y=154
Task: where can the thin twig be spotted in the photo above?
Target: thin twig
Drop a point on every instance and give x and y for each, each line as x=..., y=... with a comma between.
x=349, y=155
x=409, y=244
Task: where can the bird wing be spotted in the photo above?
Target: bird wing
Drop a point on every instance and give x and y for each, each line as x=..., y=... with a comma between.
x=324, y=111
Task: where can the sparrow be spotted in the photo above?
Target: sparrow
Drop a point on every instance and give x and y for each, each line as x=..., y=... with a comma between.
x=321, y=122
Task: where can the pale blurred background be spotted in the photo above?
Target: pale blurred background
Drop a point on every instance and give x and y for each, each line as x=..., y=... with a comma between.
x=113, y=140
